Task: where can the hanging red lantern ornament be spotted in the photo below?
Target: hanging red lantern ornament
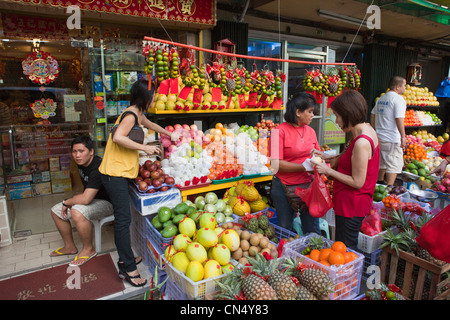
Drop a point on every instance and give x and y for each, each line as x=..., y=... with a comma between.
x=40, y=67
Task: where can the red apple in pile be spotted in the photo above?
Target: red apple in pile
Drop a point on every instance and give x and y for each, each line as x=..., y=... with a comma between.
x=152, y=175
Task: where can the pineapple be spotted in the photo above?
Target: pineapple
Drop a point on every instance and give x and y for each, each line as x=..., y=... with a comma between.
x=231, y=84
x=314, y=280
x=255, y=288
x=317, y=282
x=304, y=294
x=424, y=254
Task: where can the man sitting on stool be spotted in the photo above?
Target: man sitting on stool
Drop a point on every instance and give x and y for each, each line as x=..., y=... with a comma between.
x=92, y=204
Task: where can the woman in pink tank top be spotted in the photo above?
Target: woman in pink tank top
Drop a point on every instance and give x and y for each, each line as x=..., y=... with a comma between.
x=357, y=167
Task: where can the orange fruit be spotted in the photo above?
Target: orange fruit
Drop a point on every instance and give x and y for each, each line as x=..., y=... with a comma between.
x=324, y=253
x=314, y=254
x=336, y=257
x=219, y=126
x=349, y=256
x=339, y=246
x=325, y=263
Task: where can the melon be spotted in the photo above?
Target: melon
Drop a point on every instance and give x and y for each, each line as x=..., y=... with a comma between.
x=187, y=226
x=212, y=269
x=207, y=220
x=221, y=254
x=195, y=271
x=180, y=261
x=196, y=252
x=169, y=252
x=230, y=238
x=257, y=205
x=227, y=268
x=181, y=241
x=206, y=237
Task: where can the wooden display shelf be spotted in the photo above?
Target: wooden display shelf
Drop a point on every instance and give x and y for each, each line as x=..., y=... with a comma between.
x=221, y=186
x=216, y=111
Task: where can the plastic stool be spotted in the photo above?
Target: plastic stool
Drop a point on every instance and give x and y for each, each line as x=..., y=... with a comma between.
x=297, y=225
x=323, y=224
x=98, y=230
x=324, y=227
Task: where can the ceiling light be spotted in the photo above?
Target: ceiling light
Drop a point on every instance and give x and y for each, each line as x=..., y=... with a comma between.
x=340, y=17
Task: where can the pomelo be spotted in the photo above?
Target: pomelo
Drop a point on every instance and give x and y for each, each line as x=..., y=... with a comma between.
x=212, y=269
x=231, y=239
x=227, y=268
x=207, y=220
x=196, y=252
x=195, y=271
x=180, y=261
x=206, y=237
x=221, y=254
x=181, y=241
x=187, y=226
x=169, y=252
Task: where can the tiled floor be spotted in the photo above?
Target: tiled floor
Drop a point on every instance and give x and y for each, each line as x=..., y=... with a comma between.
x=31, y=252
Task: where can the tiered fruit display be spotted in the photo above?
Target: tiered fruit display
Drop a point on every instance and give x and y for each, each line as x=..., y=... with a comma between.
x=314, y=81
x=415, y=151
x=266, y=279
x=389, y=292
x=415, y=96
x=234, y=84
x=333, y=85
x=411, y=119
x=152, y=178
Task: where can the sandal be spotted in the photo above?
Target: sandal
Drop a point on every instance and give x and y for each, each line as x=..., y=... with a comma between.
x=125, y=276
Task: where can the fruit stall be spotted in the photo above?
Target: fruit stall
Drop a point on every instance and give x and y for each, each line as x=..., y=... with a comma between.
x=201, y=213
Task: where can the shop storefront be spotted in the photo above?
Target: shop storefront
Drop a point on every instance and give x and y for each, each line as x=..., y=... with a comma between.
x=59, y=80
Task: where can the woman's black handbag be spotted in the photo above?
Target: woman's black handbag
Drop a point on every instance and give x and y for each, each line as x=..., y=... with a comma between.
x=136, y=133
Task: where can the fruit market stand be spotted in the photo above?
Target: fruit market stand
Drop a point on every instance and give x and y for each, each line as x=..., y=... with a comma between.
x=203, y=245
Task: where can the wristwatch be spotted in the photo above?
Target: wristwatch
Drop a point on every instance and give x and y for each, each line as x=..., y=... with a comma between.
x=65, y=205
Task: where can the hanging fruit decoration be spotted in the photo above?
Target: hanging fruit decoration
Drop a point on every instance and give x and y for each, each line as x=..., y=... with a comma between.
x=314, y=81
x=351, y=77
x=40, y=67
x=333, y=85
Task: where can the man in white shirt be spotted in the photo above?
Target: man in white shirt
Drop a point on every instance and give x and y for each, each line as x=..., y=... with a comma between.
x=387, y=118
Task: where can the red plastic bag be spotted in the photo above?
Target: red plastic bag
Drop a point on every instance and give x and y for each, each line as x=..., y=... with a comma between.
x=434, y=235
x=316, y=196
x=371, y=224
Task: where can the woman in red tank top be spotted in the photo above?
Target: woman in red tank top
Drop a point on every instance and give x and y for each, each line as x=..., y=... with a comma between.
x=357, y=167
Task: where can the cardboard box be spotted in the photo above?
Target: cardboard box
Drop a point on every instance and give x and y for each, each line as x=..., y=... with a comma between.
x=149, y=203
x=19, y=190
x=61, y=185
x=40, y=177
x=64, y=163
x=54, y=164
x=40, y=189
x=60, y=175
x=19, y=178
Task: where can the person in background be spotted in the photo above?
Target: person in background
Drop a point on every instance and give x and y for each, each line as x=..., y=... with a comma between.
x=121, y=163
x=357, y=167
x=387, y=117
x=291, y=144
x=92, y=204
x=445, y=154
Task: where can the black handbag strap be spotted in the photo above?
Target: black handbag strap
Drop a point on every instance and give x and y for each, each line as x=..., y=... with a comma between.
x=134, y=114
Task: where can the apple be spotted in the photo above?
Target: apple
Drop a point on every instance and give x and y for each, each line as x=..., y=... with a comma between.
x=164, y=188
x=155, y=175
x=152, y=167
x=143, y=186
x=148, y=181
x=157, y=164
x=147, y=163
x=161, y=171
x=170, y=180
x=138, y=179
x=151, y=191
x=157, y=183
x=145, y=174
x=177, y=126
